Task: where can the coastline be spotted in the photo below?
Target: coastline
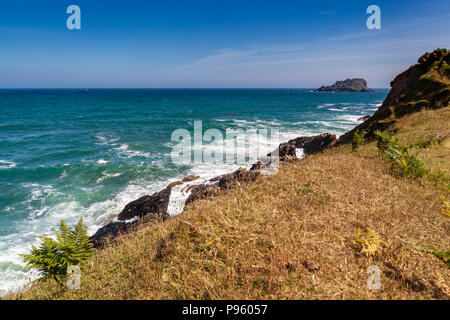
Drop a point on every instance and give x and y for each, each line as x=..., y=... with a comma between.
x=161, y=206
x=310, y=230
x=122, y=170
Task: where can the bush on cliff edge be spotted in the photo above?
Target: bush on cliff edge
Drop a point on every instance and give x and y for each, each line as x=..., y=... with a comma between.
x=53, y=257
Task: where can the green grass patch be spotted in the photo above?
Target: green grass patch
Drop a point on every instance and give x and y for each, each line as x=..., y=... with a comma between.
x=403, y=162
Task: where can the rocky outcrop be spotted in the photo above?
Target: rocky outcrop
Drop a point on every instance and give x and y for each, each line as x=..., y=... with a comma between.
x=202, y=191
x=425, y=85
x=223, y=182
x=288, y=151
x=349, y=85
x=365, y=118
x=113, y=229
x=151, y=208
x=315, y=144
x=241, y=175
x=190, y=178
x=110, y=230
x=154, y=204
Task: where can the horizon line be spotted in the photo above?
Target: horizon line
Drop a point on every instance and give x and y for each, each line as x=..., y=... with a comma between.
x=174, y=88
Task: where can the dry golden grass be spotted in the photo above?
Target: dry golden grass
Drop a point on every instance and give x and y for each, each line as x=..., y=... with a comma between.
x=290, y=236
x=432, y=125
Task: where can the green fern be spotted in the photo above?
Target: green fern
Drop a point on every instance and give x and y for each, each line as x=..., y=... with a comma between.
x=404, y=162
x=358, y=139
x=443, y=255
x=369, y=241
x=53, y=257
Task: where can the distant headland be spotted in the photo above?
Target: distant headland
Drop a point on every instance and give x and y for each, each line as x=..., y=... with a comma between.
x=349, y=85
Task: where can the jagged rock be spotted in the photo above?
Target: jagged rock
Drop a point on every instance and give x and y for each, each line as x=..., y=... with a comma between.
x=310, y=145
x=144, y=209
x=239, y=176
x=153, y=207
x=110, y=230
x=315, y=144
x=288, y=151
x=156, y=204
x=202, y=191
x=173, y=184
x=365, y=118
x=349, y=85
x=190, y=178
x=265, y=163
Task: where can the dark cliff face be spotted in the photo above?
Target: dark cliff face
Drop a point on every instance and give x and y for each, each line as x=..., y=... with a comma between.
x=425, y=85
x=349, y=85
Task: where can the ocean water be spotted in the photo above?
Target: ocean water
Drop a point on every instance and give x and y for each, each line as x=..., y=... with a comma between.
x=66, y=154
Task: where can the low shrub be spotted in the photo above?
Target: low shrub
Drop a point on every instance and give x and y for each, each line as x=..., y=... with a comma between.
x=358, y=139
x=403, y=162
x=53, y=257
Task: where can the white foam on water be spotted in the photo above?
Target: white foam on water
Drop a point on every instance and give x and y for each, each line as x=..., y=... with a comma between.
x=180, y=193
x=338, y=110
x=116, y=219
x=106, y=176
x=349, y=118
x=106, y=141
x=42, y=220
x=5, y=164
x=326, y=105
x=124, y=151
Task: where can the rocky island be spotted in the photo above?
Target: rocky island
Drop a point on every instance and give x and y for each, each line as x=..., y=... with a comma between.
x=349, y=85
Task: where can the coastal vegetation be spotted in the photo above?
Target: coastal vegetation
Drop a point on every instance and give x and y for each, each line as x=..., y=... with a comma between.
x=313, y=229
x=267, y=239
x=54, y=256
x=358, y=139
x=403, y=162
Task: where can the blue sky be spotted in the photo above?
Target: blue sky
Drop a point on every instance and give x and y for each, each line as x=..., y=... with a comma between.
x=214, y=43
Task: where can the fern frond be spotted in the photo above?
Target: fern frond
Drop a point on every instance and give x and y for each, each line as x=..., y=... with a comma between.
x=53, y=257
x=369, y=242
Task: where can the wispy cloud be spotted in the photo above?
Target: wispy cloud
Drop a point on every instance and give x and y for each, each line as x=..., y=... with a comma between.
x=368, y=47
x=376, y=55
x=365, y=44
x=257, y=57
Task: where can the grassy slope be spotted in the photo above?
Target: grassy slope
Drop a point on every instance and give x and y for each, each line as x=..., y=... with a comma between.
x=289, y=236
x=425, y=85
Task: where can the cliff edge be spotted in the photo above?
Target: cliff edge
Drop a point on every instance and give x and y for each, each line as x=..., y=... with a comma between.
x=425, y=85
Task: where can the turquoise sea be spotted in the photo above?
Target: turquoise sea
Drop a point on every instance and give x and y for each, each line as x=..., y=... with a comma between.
x=72, y=153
